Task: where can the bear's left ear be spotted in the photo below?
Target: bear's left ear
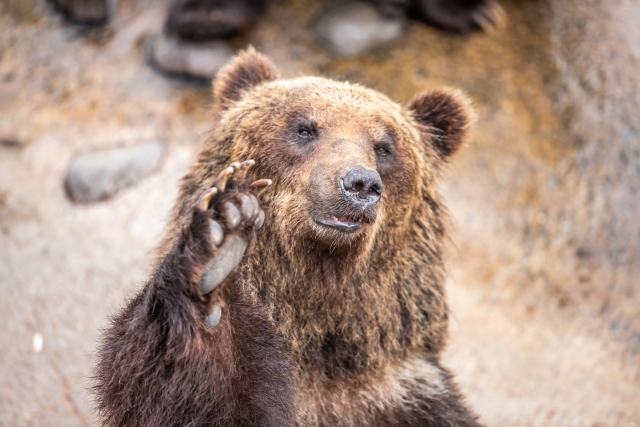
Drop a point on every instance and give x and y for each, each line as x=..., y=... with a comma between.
x=249, y=69
x=444, y=116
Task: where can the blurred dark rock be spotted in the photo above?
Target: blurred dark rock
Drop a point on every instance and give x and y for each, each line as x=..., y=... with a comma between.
x=189, y=59
x=93, y=12
x=4, y=198
x=356, y=28
x=208, y=20
x=99, y=175
x=20, y=10
x=11, y=142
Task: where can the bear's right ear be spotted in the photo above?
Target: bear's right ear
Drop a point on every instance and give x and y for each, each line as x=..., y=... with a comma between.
x=444, y=116
x=248, y=69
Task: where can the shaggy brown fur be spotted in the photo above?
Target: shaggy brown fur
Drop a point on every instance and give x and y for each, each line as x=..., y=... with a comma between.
x=319, y=327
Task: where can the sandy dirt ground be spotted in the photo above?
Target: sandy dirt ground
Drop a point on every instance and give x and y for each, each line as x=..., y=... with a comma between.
x=545, y=240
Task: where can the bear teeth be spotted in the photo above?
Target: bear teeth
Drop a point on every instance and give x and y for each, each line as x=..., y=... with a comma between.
x=343, y=223
x=347, y=219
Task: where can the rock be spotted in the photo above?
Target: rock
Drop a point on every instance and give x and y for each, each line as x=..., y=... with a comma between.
x=355, y=28
x=92, y=12
x=38, y=342
x=101, y=174
x=210, y=20
x=4, y=198
x=10, y=142
x=199, y=60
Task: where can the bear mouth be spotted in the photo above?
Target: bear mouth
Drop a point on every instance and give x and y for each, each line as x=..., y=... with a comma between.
x=345, y=224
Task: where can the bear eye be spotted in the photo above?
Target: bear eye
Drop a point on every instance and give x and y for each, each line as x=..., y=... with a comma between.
x=304, y=133
x=382, y=151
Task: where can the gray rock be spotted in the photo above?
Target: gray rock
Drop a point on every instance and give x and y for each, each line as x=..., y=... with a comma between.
x=11, y=142
x=356, y=28
x=101, y=174
x=190, y=59
x=93, y=12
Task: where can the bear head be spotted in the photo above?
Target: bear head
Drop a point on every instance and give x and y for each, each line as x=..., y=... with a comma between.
x=345, y=160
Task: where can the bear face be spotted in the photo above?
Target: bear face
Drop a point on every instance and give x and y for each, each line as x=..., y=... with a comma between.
x=346, y=164
x=344, y=159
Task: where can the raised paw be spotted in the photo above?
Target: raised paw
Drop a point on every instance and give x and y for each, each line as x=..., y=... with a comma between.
x=234, y=212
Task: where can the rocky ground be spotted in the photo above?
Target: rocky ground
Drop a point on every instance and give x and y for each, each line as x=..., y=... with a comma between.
x=545, y=253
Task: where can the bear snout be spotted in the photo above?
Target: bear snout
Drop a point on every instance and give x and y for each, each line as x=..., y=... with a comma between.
x=361, y=187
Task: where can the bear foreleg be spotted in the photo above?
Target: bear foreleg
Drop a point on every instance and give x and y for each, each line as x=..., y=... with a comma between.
x=181, y=354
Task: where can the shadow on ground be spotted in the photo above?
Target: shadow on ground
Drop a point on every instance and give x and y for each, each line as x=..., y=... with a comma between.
x=545, y=257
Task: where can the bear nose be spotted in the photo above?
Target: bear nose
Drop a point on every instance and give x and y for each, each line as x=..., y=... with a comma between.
x=361, y=186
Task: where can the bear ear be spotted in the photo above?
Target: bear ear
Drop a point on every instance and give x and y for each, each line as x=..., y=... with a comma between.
x=444, y=116
x=248, y=69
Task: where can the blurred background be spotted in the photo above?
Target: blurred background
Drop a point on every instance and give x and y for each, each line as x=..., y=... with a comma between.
x=545, y=239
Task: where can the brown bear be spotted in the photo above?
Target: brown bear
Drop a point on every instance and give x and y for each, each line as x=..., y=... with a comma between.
x=317, y=300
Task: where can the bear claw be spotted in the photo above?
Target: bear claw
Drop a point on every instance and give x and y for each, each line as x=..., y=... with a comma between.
x=244, y=168
x=223, y=177
x=260, y=183
x=205, y=199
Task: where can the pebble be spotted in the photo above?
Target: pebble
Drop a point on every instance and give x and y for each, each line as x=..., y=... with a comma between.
x=101, y=174
x=356, y=28
x=38, y=342
x=93, y=12
x=199, y=60
x=10, y=142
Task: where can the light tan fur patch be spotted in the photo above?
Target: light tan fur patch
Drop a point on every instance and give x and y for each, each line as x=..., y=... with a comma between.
x=349, y=403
